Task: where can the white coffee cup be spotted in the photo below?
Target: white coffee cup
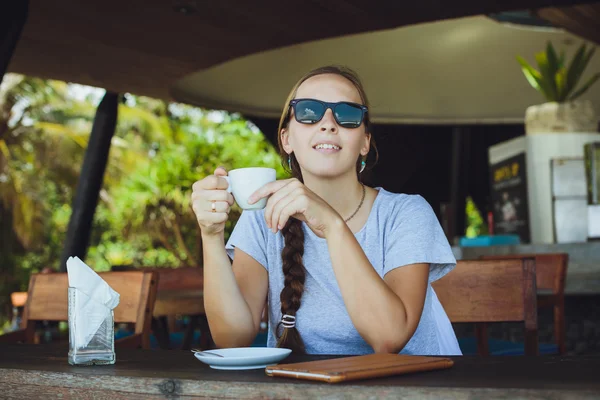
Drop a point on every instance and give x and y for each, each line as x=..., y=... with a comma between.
x=245, y=181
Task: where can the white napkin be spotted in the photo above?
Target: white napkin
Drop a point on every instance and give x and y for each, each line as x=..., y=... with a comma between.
x=94, y=302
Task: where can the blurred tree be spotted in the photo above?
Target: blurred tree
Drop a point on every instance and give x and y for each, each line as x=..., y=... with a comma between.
x=144, y=216
x=149, y=209
x=35, y=177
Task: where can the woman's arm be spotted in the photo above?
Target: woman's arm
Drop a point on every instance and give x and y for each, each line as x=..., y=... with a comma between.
x=386, y=312
x=234, y=295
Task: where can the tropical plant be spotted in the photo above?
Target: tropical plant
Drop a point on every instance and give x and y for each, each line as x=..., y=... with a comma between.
x=36, y=179
x=143, y=217
x=554, y=80
x=150, y=207
x=30, y=147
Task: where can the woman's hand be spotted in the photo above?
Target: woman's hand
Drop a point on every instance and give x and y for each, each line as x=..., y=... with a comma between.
x=290, y=198
x=211, y=202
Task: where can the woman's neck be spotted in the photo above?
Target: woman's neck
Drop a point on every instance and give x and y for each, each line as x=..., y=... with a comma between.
x=343, y=193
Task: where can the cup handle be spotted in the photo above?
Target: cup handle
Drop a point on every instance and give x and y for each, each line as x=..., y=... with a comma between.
x=228, y=183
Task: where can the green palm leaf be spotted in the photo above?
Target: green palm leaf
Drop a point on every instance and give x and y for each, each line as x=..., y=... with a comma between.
x=59, y=130
x=4, y=150
x=151, y=126
x=554, y=80
x=561, y=59
x=547, y=80
x=574, y=70
x=585, y=87
x=554, y=68
x=533, y=77
x=28, y=221
x=561, y=84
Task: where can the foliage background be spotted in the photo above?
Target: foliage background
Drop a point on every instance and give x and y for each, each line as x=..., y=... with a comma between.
x=143, y=217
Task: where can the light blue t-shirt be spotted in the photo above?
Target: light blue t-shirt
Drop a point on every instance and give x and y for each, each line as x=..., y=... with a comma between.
x=400, y=230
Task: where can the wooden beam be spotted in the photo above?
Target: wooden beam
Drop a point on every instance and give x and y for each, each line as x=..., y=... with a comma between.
x=90, y=180
x=459, y=180
x=582, y=20
x=13, y=15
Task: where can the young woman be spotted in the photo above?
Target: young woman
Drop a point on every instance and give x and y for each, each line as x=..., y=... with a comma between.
x=346, y=268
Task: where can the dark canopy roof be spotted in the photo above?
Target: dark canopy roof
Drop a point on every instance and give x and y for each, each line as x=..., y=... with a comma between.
x=145, y=46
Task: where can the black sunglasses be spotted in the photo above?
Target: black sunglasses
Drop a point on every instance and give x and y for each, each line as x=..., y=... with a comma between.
x=311, y=111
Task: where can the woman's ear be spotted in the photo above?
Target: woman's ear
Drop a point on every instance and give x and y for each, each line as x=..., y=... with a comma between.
x=366, y=145
x=285, y=141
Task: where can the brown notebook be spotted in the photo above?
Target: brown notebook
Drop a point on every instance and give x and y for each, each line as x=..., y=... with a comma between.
x=358, y=367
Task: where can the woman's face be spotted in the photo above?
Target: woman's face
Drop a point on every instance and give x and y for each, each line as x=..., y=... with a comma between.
x=306, y=140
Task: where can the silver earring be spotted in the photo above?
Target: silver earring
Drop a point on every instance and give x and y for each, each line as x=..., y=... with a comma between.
x=290, y=162
x=363, y=164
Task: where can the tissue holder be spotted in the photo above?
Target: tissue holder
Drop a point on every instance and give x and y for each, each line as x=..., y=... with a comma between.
x=101, y=348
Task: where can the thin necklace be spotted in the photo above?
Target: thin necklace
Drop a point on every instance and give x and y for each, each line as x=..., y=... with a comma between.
x=360, y=205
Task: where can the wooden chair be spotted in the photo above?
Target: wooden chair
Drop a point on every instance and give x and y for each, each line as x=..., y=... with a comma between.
x=491, y=291
x=551, y=274
x=47, y=300
x=180, y=292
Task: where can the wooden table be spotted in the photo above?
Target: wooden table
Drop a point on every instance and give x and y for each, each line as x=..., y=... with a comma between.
x=30, y=371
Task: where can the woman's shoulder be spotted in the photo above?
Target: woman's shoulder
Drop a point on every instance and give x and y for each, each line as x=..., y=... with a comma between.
x=250, y=235
x=402, y=202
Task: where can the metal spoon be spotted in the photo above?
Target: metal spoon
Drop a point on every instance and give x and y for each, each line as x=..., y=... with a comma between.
x=207, y=353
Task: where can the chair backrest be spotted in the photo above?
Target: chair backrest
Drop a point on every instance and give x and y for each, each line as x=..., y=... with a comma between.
x=184, y=278
x=47, y=298
x=550, y=269
x=492, y=291
x=180, y=291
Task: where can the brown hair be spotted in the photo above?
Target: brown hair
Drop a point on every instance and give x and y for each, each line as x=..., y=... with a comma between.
x=293, y=268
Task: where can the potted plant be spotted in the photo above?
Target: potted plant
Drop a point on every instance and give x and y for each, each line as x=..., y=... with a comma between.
x=558, y=83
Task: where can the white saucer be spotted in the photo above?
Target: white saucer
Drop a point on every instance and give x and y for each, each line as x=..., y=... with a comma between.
x=243, y=357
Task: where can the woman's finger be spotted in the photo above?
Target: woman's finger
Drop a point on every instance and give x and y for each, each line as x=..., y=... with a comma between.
x=269, y=189
x=218, y=207
x=213, y=195
x=211, y=182
x=290, y=209
x=221, y=171
x=208, y=218
x=211, y=206
x=278, y=210
x=274, y=199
